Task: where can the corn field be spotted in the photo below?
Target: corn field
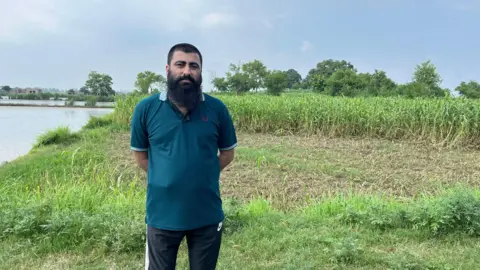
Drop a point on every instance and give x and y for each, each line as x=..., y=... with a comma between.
x=445, y=121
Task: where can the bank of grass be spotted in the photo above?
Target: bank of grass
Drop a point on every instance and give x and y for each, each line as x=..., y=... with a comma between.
x=292, y=202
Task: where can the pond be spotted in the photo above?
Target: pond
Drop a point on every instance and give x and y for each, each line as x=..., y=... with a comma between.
x=20, y=126
x=51, y=102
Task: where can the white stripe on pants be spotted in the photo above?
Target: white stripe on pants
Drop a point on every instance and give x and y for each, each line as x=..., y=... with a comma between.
x=146, y=251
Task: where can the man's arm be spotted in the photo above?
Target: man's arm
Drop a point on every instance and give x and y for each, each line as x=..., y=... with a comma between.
x=226, y=157
x=141, y=158
x=227, y=139
x=139, y=143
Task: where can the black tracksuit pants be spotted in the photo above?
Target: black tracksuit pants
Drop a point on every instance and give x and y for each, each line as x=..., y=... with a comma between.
x=203, y=247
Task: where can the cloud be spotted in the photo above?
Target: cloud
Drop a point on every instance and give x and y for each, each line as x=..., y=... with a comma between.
x=218, y=19
x=306, y=45
x=23, y=16
x=92, y=18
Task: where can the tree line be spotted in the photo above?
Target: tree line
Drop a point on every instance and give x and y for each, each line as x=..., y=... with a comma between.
x=338, y=78
x=97, y=84
x=330, y=77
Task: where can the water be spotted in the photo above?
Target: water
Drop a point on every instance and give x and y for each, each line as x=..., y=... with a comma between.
x=51, y=102
x=20, y=126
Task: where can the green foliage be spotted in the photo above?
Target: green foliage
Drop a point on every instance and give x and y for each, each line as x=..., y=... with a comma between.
x=275, y=82
x=99, y=84
x=317, y=77
x=238, y=80
x=378, y=84
x=439, y=121
x=293, y=78
x=70, y=102
x=124, y=107
x=60, y=135
x=449, y=122
x=220, y=84
x=83, y=199
x=347, y=251
x=256, y=72
x=147, y=80
x=6, y=88
x=455, y=212
x=91, y=101
x=469, y=90
x=344, y=82
x=426, y=73
x=97, y=122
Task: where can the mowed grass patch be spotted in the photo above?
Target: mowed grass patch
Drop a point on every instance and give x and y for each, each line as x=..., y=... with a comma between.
x=292, y=170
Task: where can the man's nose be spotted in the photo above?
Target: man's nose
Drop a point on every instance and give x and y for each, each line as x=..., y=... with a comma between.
x=187, y=70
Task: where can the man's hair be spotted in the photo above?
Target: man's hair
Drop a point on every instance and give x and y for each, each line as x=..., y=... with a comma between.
x=186, y=48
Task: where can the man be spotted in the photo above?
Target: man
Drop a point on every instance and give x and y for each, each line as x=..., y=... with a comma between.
x=176, y=137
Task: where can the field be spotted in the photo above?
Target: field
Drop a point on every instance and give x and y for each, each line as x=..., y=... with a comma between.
x=317, y=183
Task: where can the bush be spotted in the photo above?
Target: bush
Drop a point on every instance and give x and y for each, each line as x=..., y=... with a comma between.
x=60, y=135
x=458, y=211
x=96, y=122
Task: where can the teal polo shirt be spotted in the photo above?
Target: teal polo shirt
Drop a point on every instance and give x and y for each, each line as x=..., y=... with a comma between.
x=183, y=190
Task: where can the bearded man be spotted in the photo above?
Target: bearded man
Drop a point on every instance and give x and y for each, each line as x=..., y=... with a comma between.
x=183, y=139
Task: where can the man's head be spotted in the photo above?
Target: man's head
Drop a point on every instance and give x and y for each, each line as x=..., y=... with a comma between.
x=184, y=75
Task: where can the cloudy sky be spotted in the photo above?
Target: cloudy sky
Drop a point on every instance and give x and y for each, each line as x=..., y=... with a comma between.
x=55, y=43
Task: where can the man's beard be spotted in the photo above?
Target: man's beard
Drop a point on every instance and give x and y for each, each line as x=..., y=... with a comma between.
x=185, y=95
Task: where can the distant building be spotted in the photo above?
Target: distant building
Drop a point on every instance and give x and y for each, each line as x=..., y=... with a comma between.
x=18, y=90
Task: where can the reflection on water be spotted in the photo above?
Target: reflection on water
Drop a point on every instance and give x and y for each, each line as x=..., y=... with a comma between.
x=20, y=126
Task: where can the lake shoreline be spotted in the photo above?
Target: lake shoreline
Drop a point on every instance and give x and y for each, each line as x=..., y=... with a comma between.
x=55, y=106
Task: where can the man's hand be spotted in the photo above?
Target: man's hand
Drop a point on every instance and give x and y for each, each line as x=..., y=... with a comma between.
x=225, y=158
x=142, y=159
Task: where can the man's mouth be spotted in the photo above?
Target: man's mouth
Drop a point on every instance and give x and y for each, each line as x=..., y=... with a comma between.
x=185, y=82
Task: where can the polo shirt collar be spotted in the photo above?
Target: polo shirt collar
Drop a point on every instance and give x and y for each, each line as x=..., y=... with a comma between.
x=163, y=96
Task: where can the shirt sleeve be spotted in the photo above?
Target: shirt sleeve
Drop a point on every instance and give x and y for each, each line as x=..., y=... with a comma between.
x=139, y=135
x=227, y=135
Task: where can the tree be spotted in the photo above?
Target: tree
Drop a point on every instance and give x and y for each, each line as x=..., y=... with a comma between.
x=276, y=81
x=293, y=78
x=84, y=90
x=318, y=76
x=256, y=72
x=99, y=84
x=378, y=84
x=413, y=90
x=237, y=80
x=427, y=75
x=220, y=83
x=6, y=88
x=147, y=80
x=469, y=90
x=344, y=82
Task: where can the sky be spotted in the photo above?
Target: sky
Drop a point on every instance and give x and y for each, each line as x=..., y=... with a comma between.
x=56, y=43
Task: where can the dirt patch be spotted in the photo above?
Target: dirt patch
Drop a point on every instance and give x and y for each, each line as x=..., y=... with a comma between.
x=290, y=170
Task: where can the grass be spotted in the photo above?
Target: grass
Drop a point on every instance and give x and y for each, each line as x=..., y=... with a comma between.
x=297, y=201
x=439, y=121
x=60, y=135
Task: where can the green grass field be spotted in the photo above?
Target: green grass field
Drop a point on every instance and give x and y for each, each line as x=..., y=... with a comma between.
x=317, y=183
